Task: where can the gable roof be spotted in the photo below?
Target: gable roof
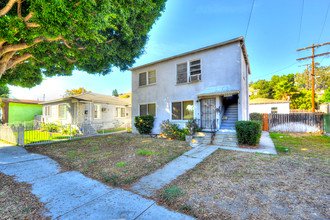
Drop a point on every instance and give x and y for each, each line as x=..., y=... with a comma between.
x=266, y=101
x=23, y=101
x=239, y=39
x=93, y=97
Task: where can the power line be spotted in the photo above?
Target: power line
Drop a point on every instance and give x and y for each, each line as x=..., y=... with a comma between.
x=325, y=19
x=301, y=17
x=284, y=68
x=247, y=28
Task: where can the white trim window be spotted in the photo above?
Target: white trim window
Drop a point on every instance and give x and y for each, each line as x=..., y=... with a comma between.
x=147, y=78
x=194, y=74
x=148, y=109
x=274, y=110
x=120, y=112
x=97, y=111
x=183, y=110
x=62, y=111
x=47, y=110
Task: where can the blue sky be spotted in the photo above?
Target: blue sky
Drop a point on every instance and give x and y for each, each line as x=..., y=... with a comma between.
x=276, y=30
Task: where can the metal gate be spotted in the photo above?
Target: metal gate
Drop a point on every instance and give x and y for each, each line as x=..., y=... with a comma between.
x=327, y=123
x=208, y=113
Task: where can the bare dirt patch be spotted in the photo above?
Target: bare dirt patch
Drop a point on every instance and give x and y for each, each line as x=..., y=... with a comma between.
x=239, y=185
x=17, y=202
x=117, y=160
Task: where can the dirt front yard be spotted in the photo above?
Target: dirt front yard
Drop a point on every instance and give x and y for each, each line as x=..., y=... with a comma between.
x=117, y=160
x=238, y=185
x=17, y=202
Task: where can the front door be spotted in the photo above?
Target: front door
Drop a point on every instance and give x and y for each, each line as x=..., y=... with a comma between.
x=208, y=116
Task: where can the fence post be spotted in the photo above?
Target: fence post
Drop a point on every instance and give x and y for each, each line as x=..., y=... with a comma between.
x=126, y=126
x=103, y=126
x=70, y=131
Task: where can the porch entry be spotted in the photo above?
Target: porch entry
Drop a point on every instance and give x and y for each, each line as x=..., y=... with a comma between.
x=208, y=113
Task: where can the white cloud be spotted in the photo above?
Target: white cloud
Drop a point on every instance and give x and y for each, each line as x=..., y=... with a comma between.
x=53, y=88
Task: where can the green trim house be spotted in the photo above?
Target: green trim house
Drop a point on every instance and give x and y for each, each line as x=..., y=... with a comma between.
x=19, y=110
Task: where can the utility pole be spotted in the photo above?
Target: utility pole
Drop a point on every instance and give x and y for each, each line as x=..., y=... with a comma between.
x=313, y=73
x=306, y=74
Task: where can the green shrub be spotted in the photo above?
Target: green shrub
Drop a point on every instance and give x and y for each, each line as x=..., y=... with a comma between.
x=173, y=130
x=256, y=117
x=248, y=132
x=193, y=127
x=66, y=130
x=51, y=127
x=144, y=124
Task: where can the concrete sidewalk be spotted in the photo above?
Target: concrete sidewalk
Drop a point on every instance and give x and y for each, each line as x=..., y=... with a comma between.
x=71, y=195
x=148, y=185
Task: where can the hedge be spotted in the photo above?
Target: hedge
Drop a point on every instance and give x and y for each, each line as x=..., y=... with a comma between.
x=248, y=132
x=144, y=124
x=256, y=117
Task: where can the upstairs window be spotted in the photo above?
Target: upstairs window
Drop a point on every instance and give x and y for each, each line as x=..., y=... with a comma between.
x=181, y=76
x=62, y=111
x=189, y=72
x=147, y=78
x=148, y=109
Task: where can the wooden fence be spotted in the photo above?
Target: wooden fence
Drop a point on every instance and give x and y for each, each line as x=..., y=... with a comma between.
x=296, y=122
x=265, y=123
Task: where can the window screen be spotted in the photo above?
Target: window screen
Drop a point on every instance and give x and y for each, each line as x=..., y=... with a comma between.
x=176, y=110
x=152, y=109
x=151, y=77
x=181, y=73
x=143, y=110
x=143, y=79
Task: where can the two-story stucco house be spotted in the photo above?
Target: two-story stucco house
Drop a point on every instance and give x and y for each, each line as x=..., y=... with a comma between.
x=209, y=84
x=91, y=108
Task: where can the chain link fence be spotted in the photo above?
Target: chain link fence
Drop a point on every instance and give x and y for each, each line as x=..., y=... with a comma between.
x=36, y=132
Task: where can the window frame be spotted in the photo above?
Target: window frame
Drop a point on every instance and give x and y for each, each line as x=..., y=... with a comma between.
x=118, y=113
x=188, y=71
x=147, y=77
x=150, y=103
x=182, y=115
x=58, y=109
x=47, y=110
x=100, y=110
x=271, y=110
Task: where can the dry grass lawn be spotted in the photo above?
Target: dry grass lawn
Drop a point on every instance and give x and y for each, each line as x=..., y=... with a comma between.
x=238, y=185
x=117, y=160
x=16, y=201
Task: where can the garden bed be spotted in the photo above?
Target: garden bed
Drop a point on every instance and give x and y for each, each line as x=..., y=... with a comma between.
x=238, y=185
x=17, y=202
x=117, y=159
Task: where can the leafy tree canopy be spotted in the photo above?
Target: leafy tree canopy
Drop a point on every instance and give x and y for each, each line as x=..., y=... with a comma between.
x=4, y=92
x=115, y=92
x=322, y=80
x=46, y=38
x=72, y=92
x=326, y=96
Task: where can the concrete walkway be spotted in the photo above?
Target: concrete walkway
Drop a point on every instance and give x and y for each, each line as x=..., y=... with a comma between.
x=266, y=145
x=71, y=195
x=148, y=185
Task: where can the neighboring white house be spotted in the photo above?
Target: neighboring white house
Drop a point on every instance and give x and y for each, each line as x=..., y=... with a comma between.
x=205, y=84
x=263, y=105
x=325, y=107
x=108, y=111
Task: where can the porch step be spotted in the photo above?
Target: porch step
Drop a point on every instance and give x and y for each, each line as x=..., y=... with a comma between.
x=225, y=138
x=201, y=138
